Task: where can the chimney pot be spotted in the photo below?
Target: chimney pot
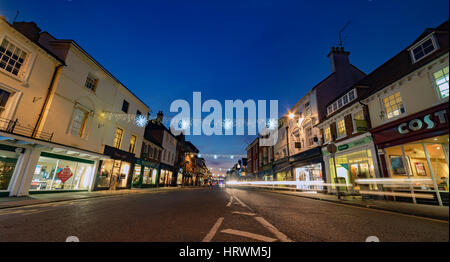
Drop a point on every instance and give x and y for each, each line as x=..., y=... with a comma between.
x=338, y=58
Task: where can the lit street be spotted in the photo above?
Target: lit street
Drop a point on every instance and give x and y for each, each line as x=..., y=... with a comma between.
x=211, y=214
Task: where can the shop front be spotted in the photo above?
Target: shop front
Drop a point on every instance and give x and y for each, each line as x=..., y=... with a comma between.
x=416, y=148
x=145, y=174
x=267, y=173
x=308, y=169
x=115, y=173
x=166, y=173
x=355, y=159
x=8, y=161
x=62, y=173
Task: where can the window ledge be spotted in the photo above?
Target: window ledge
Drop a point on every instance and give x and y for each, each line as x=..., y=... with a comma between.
x=14, y=77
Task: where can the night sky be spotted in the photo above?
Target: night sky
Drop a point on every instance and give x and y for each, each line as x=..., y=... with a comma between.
x=165, y=50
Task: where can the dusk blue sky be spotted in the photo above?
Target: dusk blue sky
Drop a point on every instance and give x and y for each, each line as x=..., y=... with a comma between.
x=164, y=50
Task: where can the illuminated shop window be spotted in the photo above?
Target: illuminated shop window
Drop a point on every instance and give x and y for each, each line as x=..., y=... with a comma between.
x=118, y=138
x=327, y=134
x=132, y=144
x=341, y=128
x=393, y=105
x=441, y=81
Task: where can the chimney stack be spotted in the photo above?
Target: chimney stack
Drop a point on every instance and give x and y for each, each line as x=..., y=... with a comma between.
x=29, y=29
x=339, y=59
x=159, y=117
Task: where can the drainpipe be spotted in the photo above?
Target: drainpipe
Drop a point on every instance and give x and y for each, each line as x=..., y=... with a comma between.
x=46, y=101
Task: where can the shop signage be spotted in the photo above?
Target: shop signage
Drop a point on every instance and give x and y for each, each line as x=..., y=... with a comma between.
x=428, y=123
x=118, y=154
x=144, y=162
x=361, y=126
x=267, y=167
x=344, y=147
x=65, y=174
x=423, y=123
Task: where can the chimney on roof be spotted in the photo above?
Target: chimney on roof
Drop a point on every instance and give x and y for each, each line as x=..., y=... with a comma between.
x=338, y=58
x=29, y=29
x=159, y=117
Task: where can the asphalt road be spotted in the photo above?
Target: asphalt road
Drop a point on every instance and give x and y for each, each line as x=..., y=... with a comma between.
x=207, y=214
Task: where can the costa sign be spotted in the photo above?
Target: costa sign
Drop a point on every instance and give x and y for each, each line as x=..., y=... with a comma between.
x=431, y=122
x=423, y=123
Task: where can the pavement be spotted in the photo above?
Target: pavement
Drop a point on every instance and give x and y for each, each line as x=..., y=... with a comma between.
x=211, y=215
x=36, y=199
x=422, y=210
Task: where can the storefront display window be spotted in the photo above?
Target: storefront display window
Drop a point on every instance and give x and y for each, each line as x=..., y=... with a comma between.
x=166, y=177
x=136, y=175
x=8, y=162
x=57, y=174
x=353, y=166
x=421, y=159
x=308, y=174
x=114, y=173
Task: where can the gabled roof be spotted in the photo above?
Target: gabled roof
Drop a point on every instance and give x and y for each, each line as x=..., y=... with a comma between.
x=191, y=146
x=397, y=67
x=401, y=64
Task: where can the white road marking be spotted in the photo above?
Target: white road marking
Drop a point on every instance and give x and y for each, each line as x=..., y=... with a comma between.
x=231, y=201
x=213, y=230
x=243, y=204
x=244, y=213
x=282, y=237
x=248, y=235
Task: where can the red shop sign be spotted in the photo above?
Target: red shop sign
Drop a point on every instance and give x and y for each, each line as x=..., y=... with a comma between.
x=431, y=122
x=65, y=174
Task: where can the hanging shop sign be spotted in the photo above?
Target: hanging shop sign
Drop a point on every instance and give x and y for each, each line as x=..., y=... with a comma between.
x=428, y=123
x=361, y=125
x=65, y=174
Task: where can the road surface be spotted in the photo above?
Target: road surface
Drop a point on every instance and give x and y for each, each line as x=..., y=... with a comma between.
x=212, y=214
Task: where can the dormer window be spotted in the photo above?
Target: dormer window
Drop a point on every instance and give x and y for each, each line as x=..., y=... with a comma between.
x=423, y=48
x=347, y=98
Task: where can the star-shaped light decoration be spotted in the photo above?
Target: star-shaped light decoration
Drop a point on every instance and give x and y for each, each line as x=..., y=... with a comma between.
x=141, y=121
x=272, y=123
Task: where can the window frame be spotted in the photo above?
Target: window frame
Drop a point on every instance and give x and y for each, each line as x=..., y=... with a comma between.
x=384, y=108
x=325, y=134
x=339, y=136
x=83, y=126
x=354, y=114
x=436, y=87
x=92, y=77
x=22, y=74
x=420, y=43
x=132, y=147
x=128, y=106
x=120, y=140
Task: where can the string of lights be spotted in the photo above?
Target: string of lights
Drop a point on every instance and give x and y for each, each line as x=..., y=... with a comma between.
x=217, y=156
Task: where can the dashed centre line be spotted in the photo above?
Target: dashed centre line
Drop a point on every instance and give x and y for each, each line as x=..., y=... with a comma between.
x=282, y=237
x=244, y=213
x=213, y=230
x=248, y=235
